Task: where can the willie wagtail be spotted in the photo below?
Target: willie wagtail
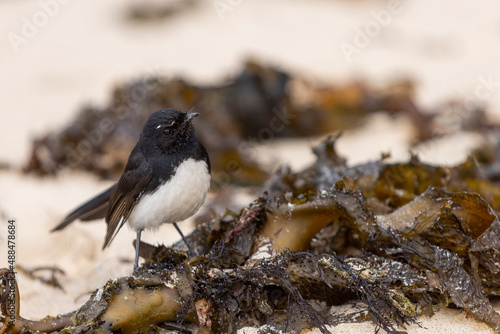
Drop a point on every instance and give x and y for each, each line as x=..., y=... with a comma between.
x=166, y=180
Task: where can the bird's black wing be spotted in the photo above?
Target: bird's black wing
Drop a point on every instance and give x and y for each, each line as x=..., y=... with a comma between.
x=127, y=192
x=95, y=208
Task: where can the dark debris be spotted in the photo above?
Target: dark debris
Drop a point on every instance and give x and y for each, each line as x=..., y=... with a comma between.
x=259, y=104
x=401, y=239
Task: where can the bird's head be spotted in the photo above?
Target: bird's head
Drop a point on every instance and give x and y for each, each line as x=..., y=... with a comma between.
x=169, y=128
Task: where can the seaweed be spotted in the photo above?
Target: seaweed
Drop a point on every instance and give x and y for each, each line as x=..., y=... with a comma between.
x=257, y=105
x=399, y=240
x=10, y=308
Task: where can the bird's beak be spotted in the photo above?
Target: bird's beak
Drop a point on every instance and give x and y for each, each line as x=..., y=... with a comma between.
x=190, y=117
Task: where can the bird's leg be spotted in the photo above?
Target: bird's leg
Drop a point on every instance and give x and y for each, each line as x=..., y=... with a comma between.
x=184, y=239
x=137, y=246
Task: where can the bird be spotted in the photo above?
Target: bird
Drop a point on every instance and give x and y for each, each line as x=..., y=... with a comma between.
x=165, y=181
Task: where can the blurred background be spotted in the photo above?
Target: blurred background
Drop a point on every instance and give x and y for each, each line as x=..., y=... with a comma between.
x=270, y=78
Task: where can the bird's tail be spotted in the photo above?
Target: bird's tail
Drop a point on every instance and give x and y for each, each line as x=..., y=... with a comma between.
x=96, y=208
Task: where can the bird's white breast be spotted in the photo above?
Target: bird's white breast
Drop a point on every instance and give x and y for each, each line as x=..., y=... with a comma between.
x=177, y=199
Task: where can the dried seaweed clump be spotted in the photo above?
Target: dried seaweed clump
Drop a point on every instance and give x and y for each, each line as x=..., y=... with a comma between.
x=259, y=104
x=400, y=240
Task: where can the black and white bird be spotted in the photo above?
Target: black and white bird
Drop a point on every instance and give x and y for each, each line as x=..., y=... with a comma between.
x=166, y=180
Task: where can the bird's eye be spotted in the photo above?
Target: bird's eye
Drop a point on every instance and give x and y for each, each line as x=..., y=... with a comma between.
x=167, y=132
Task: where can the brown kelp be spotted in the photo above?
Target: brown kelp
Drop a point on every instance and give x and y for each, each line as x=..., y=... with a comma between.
x=401, y=239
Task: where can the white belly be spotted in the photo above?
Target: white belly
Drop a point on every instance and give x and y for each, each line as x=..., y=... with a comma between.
x=176, y=200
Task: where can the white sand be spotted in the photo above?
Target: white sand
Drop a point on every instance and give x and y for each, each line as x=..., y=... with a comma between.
x=449, y=49
x=446, y=321
x=87, y=47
